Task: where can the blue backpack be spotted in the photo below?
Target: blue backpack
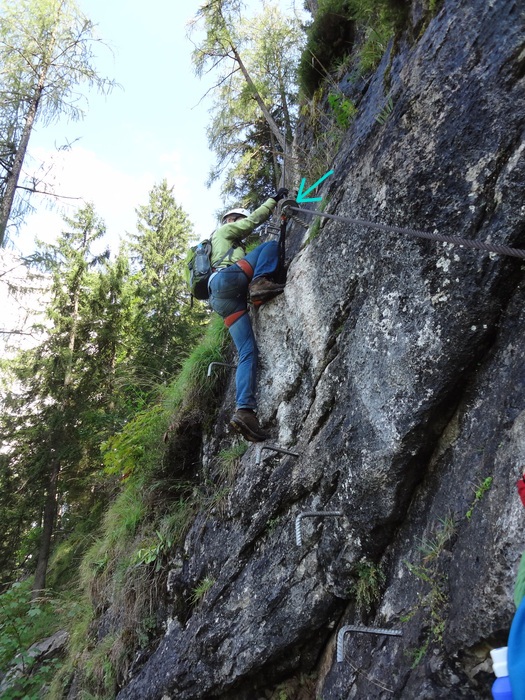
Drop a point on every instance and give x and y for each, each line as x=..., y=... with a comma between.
x=199, y=269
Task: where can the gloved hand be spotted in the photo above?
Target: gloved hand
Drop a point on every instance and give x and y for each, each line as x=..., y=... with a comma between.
x=280, y=194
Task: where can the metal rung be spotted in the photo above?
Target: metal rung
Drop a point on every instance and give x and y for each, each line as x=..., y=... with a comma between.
x=363, y=630
x=223, y=364
x=273, y=448
x=313, y=514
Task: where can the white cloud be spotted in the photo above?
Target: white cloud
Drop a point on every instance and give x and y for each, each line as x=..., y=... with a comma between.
x=86, y=177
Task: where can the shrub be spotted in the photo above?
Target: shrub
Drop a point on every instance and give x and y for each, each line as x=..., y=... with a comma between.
x=369, y=579
x=22, y=623
x=330, y=36
x=343, y=109
x=341, y=27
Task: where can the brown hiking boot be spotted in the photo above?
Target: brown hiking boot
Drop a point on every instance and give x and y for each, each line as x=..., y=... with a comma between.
x=262, y=289
x=246, y=422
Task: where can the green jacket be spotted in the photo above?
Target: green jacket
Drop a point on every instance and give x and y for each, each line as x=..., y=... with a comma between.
x=519, y=587
x=230, y=235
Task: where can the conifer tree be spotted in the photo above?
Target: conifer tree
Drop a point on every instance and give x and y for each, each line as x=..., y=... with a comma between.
x=55, y=420
x=255, y=108
x=165, y=328
x=223, y=45
x=45, y=53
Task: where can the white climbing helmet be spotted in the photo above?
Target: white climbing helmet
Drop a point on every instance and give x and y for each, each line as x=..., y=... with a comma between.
x=239, y=212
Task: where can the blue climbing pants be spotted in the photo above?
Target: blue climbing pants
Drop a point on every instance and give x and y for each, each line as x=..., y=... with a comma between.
x=516, y=653
x=229, y=298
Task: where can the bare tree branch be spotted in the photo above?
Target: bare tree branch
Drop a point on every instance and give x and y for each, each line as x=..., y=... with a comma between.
x=33, y=190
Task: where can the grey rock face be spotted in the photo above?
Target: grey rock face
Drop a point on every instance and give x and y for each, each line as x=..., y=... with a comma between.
x=395, y=367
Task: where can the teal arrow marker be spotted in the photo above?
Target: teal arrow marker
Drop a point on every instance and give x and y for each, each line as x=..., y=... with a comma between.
x=302, y=196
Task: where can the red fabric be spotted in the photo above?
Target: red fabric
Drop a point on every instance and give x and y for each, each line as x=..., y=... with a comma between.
x=230, y=320
x=521, y=489
x=245, y=267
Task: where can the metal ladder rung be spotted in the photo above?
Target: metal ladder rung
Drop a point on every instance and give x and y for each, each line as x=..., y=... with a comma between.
x=272, y=448
x=223, y=364
x=313, y=514
x=363, y=630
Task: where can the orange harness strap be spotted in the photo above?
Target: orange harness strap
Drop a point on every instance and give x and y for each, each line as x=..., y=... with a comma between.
x=230, y=320
x=245, y=267
x=248, y=271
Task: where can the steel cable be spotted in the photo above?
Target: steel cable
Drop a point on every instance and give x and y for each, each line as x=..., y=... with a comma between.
x=454, y=240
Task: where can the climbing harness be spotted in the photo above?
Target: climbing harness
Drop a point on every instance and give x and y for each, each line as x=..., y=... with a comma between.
x=284, y=215
x=246, y=268
x=282, y=249
x=235, y=316
x=454, y=240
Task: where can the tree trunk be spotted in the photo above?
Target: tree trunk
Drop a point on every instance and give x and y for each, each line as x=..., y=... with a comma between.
x=286, y=111
x=276, y=167
x=51, y=503
x=264, y=109
x=48, y=526
x=14, y=175
x=288, y=177
x=68, y=374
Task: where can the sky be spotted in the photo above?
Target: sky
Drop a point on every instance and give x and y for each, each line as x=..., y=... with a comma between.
x=150, y=128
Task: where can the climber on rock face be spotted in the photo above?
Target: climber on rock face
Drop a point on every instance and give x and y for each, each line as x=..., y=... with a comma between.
x=240, y=277
x=516, y=640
